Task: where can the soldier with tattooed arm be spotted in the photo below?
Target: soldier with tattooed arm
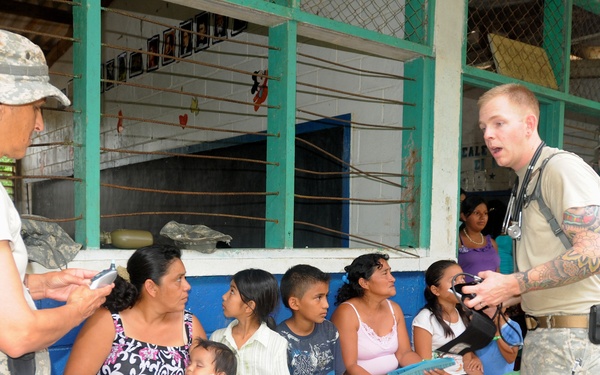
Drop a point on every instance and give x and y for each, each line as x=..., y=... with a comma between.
x=554, y=219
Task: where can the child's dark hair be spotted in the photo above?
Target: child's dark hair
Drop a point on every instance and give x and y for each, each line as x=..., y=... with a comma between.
x=150, y=262
x=361, y=267
x=433, y=275
x=298, y=279
x=225, y=361
x=261, y=287
x=469, y=205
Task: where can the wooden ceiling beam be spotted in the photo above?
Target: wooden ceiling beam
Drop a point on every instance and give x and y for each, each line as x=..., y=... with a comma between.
x=35, y=11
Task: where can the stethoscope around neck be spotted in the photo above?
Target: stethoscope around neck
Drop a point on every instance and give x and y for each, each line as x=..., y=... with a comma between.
x=512, y=223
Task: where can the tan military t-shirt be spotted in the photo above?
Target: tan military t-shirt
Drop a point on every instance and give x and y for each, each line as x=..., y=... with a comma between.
x=567, y=181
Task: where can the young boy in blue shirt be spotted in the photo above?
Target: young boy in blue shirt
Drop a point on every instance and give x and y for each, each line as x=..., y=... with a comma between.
x=313, y=341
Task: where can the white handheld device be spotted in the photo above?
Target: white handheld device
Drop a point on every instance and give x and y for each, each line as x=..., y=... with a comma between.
x=104, y=278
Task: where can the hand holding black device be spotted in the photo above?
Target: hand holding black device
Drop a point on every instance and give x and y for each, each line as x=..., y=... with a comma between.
x=457, y=288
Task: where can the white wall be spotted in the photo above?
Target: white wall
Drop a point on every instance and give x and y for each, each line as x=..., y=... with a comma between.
x=371, y=150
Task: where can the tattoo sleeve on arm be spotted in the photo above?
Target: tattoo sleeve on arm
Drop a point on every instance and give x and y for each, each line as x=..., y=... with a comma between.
x=582, y=226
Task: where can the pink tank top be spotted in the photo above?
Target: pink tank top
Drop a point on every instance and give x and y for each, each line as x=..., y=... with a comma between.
x=377, y=354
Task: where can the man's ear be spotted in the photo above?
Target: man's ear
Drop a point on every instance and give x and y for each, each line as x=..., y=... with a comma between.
x=531, y=121
x=294, y=303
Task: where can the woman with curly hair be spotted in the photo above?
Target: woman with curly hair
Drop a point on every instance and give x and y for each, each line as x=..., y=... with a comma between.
x=144, y=327
x=372, y=329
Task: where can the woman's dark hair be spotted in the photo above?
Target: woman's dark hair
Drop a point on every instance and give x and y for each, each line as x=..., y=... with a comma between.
x=261, y=287
x=225, y=360
x=469, y=205
x=433, y=275
x=361, y=267
x=150, y=262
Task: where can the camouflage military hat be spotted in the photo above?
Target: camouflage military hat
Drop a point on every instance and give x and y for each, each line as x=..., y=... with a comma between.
x=23, y=72
x=47, y=243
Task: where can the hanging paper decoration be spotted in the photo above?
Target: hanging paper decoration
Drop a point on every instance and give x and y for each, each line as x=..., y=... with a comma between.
x=183, y=119
x=120, y=122
x=260, y=88
x=194, y=108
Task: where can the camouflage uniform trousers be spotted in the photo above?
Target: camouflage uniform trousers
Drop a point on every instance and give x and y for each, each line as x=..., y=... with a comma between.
x=559, y=351
x=42, y=363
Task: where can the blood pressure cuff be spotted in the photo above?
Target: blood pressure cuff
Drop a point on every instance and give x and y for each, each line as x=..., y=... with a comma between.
x=479, y=333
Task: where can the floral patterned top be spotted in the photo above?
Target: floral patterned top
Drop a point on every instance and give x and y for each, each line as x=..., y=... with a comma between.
x=132, y=357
